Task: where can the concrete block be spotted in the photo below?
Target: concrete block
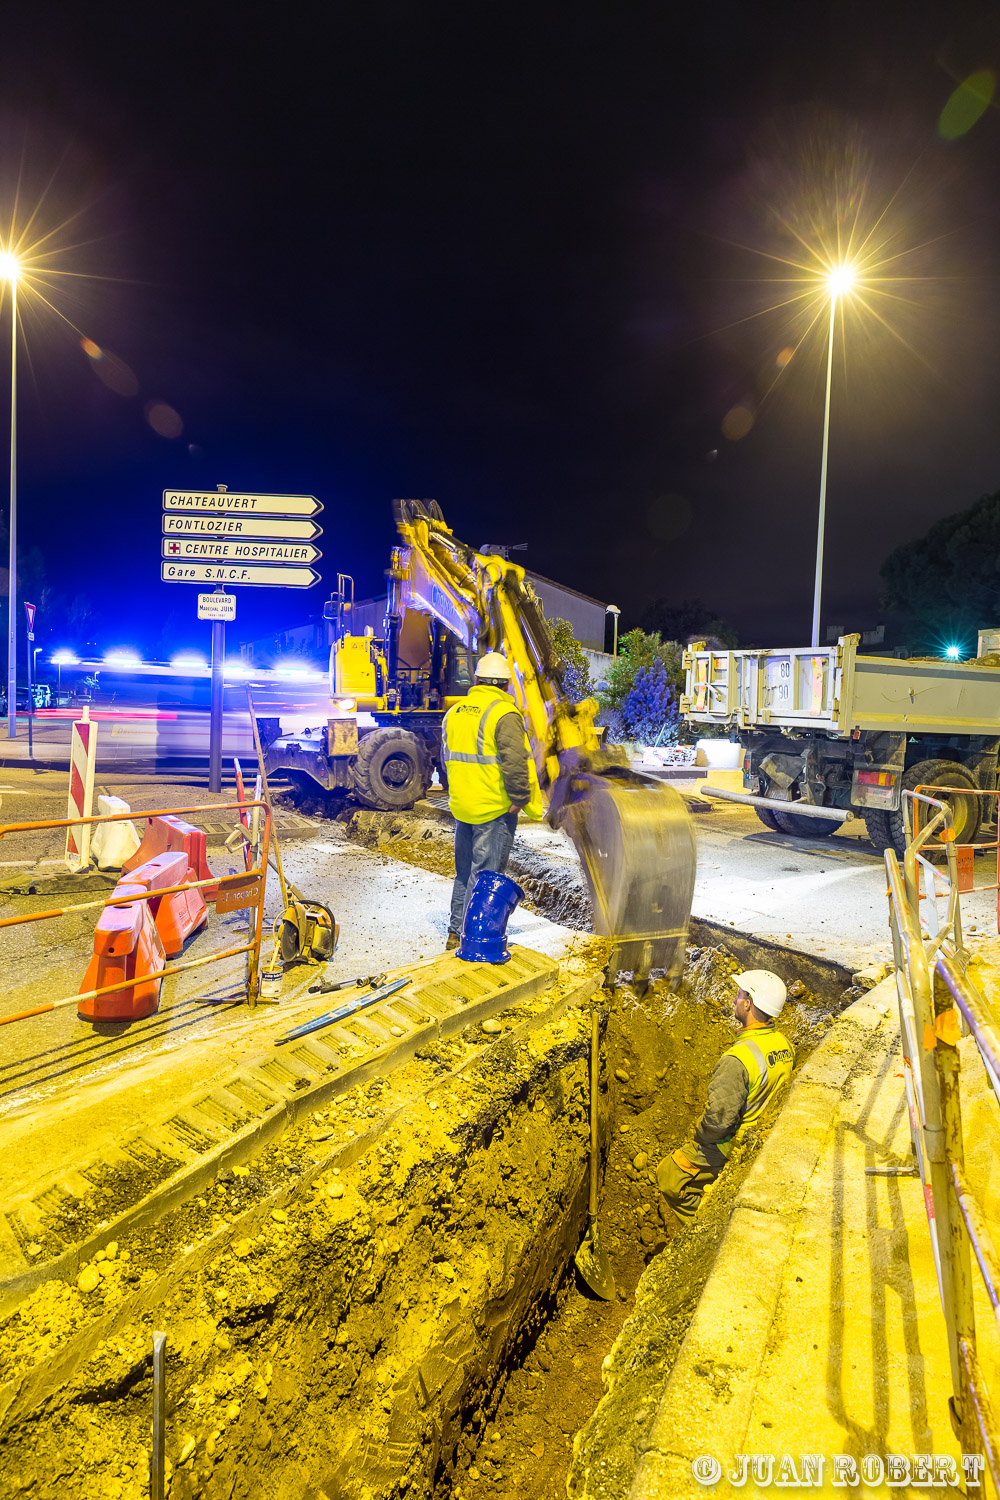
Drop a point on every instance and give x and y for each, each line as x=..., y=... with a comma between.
x=661, y=1476
x=779, y=1179
x=706, y=1405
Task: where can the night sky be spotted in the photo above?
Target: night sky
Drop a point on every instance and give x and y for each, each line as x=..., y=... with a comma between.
x=492, y=254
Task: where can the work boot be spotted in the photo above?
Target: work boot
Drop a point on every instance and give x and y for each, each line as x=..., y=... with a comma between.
x=453, y=941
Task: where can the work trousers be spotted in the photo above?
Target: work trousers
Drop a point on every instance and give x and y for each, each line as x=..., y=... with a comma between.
x=684, y=1190
x=478, y=846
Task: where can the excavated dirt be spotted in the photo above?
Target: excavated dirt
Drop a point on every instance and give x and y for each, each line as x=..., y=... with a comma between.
x=553, y=887
x=406, y=1321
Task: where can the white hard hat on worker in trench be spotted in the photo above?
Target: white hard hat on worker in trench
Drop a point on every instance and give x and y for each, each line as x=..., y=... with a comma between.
x=493, y=665
x=765, y=989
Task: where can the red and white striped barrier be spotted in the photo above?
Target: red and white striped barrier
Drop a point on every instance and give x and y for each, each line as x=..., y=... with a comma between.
x=83, y=756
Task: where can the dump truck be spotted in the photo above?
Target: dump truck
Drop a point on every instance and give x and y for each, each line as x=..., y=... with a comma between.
x=828, y=734
x=446, y=605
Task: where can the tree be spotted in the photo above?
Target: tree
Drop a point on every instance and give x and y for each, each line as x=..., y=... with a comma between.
x=689, y=621
x=947, y=582
x=576, y=677
x=639, y=697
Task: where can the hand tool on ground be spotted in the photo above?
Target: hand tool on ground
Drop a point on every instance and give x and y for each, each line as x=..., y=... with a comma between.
x=326, y=988
x=309, y=931
x=351, y=1009
x=592, y=1258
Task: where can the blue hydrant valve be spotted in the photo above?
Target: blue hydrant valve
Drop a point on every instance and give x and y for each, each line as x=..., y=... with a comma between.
x=484, y=932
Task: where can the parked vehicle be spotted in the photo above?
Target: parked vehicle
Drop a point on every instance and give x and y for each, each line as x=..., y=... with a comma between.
x=828, y=733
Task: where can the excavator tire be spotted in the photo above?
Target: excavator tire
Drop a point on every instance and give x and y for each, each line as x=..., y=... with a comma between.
x=887, y=830
x=392, y=770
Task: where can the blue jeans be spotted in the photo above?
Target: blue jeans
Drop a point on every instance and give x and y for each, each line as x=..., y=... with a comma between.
x=478, y=846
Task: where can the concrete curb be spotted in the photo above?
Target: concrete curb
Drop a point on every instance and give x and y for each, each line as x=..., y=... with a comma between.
x=707, y=1402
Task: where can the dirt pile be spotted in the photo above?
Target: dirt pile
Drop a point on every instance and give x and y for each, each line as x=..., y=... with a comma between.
x=554, y=887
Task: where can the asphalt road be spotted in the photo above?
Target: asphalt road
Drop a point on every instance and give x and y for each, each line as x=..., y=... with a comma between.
x=821, y=895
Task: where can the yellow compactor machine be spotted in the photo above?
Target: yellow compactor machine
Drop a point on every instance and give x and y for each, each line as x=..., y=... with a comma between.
x=447, y=605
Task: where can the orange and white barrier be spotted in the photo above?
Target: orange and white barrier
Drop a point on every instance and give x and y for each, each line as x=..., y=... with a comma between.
x=126, y=946
x=170, y=835
x=113, y=843
x=83, y=756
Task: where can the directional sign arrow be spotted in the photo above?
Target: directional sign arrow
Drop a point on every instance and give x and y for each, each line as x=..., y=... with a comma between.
x=238, y=526
x=181, y=549
x=245, y=505
x=238, y=573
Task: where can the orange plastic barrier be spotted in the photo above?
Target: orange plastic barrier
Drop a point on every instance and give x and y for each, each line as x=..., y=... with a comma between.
x=167, y=834
x=179, y=914
x=126, y=946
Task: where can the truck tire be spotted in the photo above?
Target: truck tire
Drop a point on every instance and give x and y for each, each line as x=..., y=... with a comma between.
x=801, y=826
x=767, y=817
x=887, y=830
x=392, y=770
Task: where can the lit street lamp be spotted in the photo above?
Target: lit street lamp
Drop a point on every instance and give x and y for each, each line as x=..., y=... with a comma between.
x=614, y=612
x=839, y=281
x=8, y=272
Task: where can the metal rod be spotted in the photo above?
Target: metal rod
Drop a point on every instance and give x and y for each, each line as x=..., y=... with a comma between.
x=979, y=1235
x=967, y=1002
x=112, y=900
x=818, y=586
x=594, y=1043
x=12, y=551
x=158, y=1465
x=985, y=1418
x=831, y=814
x=267, y=793
x=343, y=1012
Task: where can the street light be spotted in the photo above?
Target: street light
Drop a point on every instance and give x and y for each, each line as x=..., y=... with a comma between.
x=9, y=270
x=839, y=281
x=614, y=612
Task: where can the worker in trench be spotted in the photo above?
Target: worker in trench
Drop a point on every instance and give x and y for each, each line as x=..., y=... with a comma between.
x=744, y=1080
x=490, y=776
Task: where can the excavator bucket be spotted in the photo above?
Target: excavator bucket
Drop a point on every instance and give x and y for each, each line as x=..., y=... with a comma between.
x=634, y=837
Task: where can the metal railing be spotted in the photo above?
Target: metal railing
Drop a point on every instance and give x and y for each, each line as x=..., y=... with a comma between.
x=960, y=856
x=251, y=948
x=936, y=995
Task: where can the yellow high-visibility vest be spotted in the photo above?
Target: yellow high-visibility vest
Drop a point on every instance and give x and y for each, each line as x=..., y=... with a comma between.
x=768, y=1058
x=469, y=749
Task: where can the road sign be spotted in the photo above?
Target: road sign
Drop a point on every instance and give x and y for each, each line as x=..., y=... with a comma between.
x=278, y=527
x=29, y=610
x=238, y=573
x=180, y=549
x=217, y=607
x=245, y=505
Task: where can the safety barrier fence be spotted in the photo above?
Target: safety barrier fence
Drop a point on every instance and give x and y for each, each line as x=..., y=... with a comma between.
x=245, y=890
x=937, y=1003
x=960, y=856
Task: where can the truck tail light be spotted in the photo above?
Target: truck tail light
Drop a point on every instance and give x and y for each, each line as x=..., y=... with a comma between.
x=876, y=778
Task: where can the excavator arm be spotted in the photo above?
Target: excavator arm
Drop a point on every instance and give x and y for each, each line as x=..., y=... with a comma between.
x=632, y=832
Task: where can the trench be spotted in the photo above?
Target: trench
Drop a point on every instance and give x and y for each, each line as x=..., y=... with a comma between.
x=408, y=1320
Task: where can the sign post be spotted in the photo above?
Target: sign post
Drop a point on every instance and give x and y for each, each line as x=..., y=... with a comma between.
x=29, y=610
x=218, y=537
x=215, y=718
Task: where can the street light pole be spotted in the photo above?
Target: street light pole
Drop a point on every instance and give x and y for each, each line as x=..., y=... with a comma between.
x=614, y=612
x=818, y=587
x=12, y=563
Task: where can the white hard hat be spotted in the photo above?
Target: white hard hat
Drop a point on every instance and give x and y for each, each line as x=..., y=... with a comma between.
x=493, y=665
x=765, y=989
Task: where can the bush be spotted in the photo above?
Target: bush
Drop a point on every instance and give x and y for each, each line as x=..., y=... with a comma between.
x=639, y=698
x=576, y=675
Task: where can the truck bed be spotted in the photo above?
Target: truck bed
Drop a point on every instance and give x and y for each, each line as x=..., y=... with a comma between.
x=832, y=690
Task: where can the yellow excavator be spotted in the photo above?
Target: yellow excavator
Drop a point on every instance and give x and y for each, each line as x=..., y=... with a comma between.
x=446, y=605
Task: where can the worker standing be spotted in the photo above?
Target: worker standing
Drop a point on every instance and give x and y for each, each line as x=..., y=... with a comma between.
x=490, y=776
x=745, y=1078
